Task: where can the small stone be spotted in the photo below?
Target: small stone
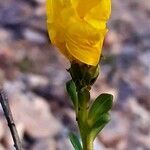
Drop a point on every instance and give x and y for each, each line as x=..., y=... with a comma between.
x=14, y=87
x=45, y=144
x=64, y=144
x=34, y=36
x=4, y=36
x=35, y=115
x=139, y=115
x=115, y=131
x=112, y=42
x=14, y=13
x=33, y=81
x=2, y=129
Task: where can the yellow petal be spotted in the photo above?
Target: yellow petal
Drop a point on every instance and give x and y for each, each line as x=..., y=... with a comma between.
x=101, y=11
x=98, y=15
x=78, y=27
x=57, y=15
x=84, y=42
x=84, y=6
x=53, y=9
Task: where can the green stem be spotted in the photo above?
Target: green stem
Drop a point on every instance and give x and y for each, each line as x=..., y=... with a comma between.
x=84, y=97
x=90, y=120
x=87, y=143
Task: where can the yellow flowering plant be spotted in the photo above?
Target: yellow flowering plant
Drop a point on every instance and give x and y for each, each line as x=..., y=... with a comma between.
x=77, y=28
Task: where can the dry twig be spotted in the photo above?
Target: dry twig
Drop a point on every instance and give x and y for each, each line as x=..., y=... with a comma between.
x=10, y=121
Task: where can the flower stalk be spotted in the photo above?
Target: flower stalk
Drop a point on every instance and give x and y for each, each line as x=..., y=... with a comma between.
x=78, y=28
x=91, y=118
x=82, y=120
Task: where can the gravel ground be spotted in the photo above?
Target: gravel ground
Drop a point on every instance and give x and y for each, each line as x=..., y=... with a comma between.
x=33, y=73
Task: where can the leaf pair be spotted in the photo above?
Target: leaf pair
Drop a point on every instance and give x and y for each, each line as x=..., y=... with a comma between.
x=98, y=115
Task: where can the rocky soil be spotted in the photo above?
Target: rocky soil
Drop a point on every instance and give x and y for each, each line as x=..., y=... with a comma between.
x=33, y=74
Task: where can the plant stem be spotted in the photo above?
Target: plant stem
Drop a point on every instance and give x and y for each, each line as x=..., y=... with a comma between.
x=87, y=142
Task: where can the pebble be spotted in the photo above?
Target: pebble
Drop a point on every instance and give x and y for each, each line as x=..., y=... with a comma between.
x=34, y=36
x=37, y=96
x=35, y=118
x=45, y=144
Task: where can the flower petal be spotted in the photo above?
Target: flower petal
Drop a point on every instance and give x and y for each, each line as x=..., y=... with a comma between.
x=99, y=15
x=84, y=42
x=84, y=6
x=78, y=27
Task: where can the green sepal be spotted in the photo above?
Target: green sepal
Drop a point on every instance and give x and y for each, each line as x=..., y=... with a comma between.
x=75, y=141
x=75, y=72
x=83, y=75
x=101, y=105
x=91, y=75
x=84, y=97
x=71, y=89
x=99, y=125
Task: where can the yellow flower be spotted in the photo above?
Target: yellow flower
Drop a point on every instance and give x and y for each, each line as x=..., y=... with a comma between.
x=78, y=27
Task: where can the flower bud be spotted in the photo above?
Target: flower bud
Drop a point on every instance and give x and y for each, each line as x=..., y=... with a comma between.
x=78, y=27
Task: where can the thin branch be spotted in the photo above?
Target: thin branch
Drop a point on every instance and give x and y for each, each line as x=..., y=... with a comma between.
x=10, y=121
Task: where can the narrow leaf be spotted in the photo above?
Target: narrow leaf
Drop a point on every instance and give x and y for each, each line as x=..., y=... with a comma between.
x=99, y=124
x=75, y=141
x=101, y=105
x=71, y=89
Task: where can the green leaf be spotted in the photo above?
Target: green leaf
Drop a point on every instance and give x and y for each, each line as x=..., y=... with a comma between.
x=75, y=141
x=99, y=124
x=71, y=89
x=104, y=119
x=101, y=105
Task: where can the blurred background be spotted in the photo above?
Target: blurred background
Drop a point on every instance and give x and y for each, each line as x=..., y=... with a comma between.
x=33, y=73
